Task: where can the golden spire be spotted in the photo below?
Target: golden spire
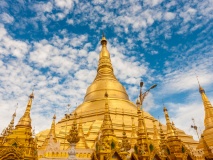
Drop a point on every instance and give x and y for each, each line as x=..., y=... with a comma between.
x=162, y=136
x=105, y=78
x=142, y=139
x=125, y=143
x=82, y=142
x=174, y=128
x=170, y=131
x=107, y=129
x=155, y=135
x=104, y=52
x=52, y=130
x=72, y=137
x=133, y=134
x=10, y=127
x=208, y=120
x=25, y=120
x=141, y=129
x=51, y=134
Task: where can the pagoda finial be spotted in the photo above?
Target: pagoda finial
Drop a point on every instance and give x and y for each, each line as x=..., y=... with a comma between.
x=25, y=120
x=105, y=69
x=105, y=78
x=201, y=90
x=208, y=120
x=104, y=43
x=170, y=131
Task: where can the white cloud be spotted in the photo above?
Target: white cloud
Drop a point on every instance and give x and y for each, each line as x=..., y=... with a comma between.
x=98, y=1
x=70, y=21
x=65, y=5
x=44, y=7
x=152, y=2
x=169, y=16
x=9, y=46
x=6, y=18
x=188, y=14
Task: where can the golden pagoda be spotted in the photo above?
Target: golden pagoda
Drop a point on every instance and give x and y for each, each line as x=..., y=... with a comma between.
x=110, y=127
x=205, y=145
x=19, y=142
x=92, y=110
x=8, y=130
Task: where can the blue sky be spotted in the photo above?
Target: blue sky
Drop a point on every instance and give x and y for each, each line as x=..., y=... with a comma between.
x=54, y=46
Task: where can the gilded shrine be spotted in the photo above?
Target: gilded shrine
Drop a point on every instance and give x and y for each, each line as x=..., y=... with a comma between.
x=107, y=126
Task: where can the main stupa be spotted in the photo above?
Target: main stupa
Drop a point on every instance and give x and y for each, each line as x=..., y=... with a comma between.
x=91, y=111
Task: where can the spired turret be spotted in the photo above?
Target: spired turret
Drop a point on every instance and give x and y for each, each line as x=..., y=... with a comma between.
x=206, y=140
x=20, y=143
x=92, y=110
x=105, y=79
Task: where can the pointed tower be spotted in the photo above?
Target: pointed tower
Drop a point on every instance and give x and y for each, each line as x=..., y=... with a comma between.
x=105, y=78
x=175, y=129
x=51, y=146
x=206, y=139
x=21, y=138
x=173, y=142
x=51, y=138
x=142, y=140
x=25, y=120
x=82, y=142
x=8, y=130
x=163, y=147
x=108, y=146
x=170, y=131
x=10, y=127
x=156, y=137
x=208, y=120
x=107, y=129
x=133, y=134
x=125, y=145
x=162, y=136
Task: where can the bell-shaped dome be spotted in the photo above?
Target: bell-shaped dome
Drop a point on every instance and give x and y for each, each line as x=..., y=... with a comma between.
x=105, y=79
